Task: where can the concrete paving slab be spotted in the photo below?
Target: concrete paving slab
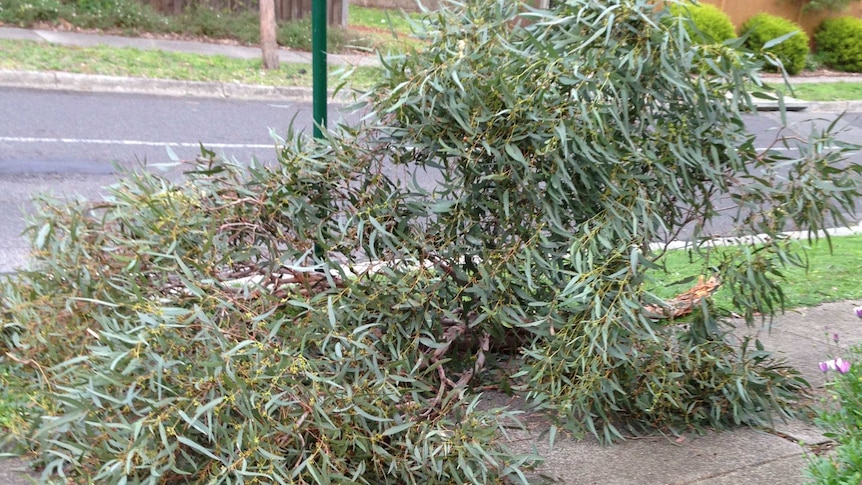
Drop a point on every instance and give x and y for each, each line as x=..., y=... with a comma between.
x=659, y=461
x=13, y=259
x=801, y=352
x=821, y=322
x=14, y=33
x=783, y=471
x=806, y=434
x=740, y=453
x=13, y=471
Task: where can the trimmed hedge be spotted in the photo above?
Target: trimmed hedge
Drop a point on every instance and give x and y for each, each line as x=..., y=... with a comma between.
x=839, y=43
x=711, y=24
x=763, y=28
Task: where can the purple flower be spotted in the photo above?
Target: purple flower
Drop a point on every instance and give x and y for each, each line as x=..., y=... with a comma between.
x=835, y=337
x=839, y=364
x=842, y=366
x=858, y=311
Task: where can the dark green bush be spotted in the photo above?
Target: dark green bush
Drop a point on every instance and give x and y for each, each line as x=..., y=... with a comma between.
x=297, y=34
x=201, y=21
x=839, y=43
x=316, y=320
x=828, y=5
x=129, y=15
x=762, y=29
x=25, y=13
x=710, y=23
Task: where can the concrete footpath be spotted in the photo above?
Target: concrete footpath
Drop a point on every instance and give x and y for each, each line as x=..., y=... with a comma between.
x=774, y=455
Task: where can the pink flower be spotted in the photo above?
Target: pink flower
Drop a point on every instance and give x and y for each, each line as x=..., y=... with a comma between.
x=858, y=311
x=840, y=365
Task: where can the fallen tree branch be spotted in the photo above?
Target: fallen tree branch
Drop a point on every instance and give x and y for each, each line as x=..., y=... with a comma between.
x=685, y=302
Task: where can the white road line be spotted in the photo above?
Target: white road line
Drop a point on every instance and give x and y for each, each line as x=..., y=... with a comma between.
x=92, y=141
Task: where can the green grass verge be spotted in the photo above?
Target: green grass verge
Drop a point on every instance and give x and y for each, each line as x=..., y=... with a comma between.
x=129, y=62
x=392, y=21
x=831, y=276
x=838, y=91
x=380, y=30
x=825, y=91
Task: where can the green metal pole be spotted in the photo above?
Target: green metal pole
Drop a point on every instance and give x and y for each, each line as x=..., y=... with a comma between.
x=318, y=65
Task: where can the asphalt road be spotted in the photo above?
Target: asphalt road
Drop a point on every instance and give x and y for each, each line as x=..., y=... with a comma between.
x=68, y=143
x=47, y=131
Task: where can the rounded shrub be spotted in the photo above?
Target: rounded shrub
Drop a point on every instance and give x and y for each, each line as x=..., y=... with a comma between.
x=708, y=22
x=763, y=29
x=839, y=43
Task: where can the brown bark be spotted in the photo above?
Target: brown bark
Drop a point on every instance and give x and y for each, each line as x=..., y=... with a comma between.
x=268, y=28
